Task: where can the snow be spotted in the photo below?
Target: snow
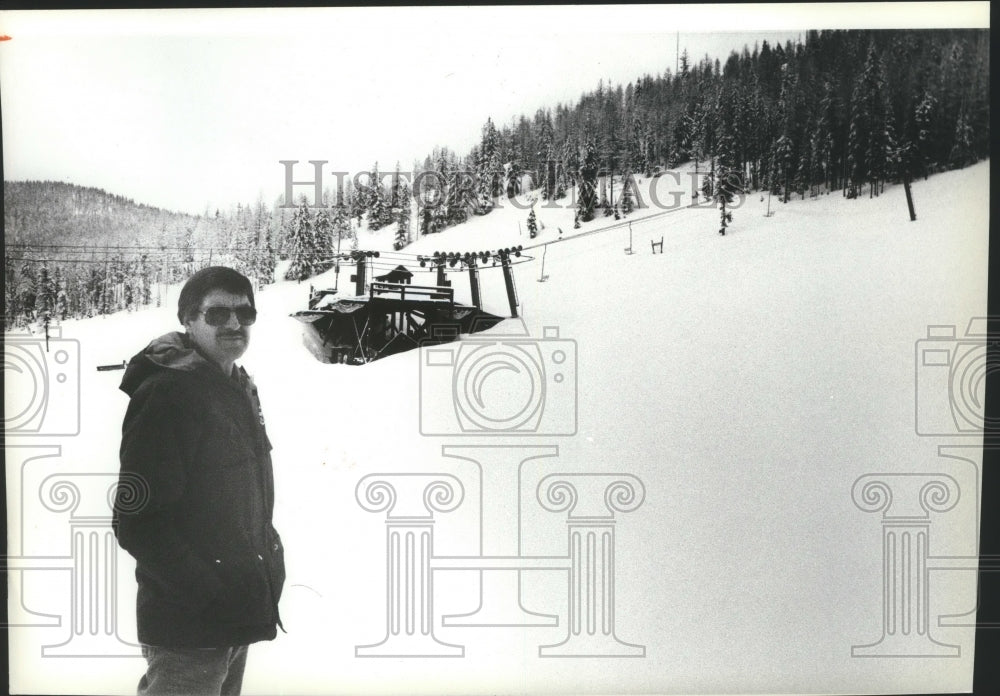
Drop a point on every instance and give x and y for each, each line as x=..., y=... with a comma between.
x=746, y=380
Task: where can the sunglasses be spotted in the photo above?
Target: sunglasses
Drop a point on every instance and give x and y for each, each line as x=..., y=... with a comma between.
x=219, y=316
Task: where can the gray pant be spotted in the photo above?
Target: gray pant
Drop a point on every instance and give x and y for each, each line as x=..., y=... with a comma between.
x=193, y=671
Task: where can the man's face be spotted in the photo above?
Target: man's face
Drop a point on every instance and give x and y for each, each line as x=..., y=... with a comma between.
x=225, y=343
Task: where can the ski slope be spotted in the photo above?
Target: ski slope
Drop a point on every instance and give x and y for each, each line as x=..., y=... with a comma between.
x=747, y=381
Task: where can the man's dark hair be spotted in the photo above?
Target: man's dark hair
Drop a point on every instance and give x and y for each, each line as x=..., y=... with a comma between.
x=205, y=281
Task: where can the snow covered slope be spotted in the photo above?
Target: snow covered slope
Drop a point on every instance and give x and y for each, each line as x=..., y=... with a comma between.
x=747, y=381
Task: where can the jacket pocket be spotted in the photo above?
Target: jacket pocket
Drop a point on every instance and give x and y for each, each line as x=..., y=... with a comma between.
x=244, y=599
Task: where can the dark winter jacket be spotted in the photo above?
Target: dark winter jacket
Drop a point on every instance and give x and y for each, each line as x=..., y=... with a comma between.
x=195, y=499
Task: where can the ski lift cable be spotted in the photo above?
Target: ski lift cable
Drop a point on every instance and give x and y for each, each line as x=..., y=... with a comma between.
x=608, y=228
x=161, y=252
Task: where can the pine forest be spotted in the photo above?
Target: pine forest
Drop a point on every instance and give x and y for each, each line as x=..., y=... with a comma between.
x=839, y=113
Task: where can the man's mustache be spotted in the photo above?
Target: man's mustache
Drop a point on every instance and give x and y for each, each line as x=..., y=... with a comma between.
x=233, y=334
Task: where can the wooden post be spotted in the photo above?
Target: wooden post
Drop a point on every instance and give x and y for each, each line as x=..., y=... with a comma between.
x=440, y=271
x=474, y=283
x=541, y=276
x=909, y=196
x=359, y=277
x=508, y=279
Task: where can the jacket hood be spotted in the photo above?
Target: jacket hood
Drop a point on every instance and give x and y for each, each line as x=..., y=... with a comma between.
x=172, y=351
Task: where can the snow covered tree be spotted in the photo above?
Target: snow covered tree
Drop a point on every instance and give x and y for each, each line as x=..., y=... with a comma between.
x=426, y=221
x=60, y=309
x=571, y=160
x=781, y=167
x=489, y=168
x=379, y=211
x=961, y=152
x=323, y=244
x=45, y=291
x=924, y=118
x=402, y=208
x=513, y=169
x=870, y=135
x=637, y=149
x=301, y=244
x=265, y=258
x=532, y=224
x=459, y=197
x=728, y=180
x=627, y=201
x=406, y=209
x=546, y=156
x=803, y=172
x=588, y=183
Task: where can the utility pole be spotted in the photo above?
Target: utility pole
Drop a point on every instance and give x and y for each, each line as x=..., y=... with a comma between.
x=541, y=276
x=336, y=267
x=359, y=276
x=508, y=278
x=474, y=282
x=909, y=195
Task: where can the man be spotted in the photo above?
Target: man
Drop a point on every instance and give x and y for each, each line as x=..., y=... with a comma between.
x=196, y=495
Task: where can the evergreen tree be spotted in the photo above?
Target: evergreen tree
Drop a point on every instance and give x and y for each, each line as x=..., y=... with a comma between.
x=924, y=118
x=61, y=310
x=426, y=221
x=627, y=202
x=301, y=244
x=406, y=209
x=532, y=224
x=489, y=169
x=571, y=161
x=514, y=170
x=546, y=156
x=12, y=296
x=869, y=136
x=45, y=291
x=961, y=152
x=445, y=193
x=728, y=179
x=588, y=183
x=324, y=247
x=402, y=208
x=458, y=198
x=801, y=180
x=378, y=210
x=781, y=167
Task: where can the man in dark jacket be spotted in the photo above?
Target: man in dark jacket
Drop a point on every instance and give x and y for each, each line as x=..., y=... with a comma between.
x=196, y=495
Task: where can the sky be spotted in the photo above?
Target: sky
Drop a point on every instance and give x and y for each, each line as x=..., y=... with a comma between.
x=192, y=110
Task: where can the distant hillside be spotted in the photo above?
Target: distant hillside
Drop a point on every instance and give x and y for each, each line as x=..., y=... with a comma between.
x=51, y=212
x=72, y=251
